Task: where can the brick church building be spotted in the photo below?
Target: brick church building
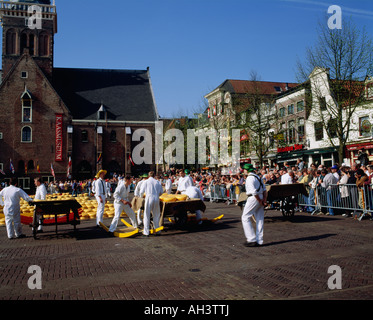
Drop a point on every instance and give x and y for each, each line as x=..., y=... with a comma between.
x=49, y=115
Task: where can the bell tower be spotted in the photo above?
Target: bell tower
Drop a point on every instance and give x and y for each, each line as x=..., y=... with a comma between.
x=28, y=27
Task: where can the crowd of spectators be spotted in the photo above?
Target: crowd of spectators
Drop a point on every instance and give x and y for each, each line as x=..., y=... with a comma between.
x=339, y=178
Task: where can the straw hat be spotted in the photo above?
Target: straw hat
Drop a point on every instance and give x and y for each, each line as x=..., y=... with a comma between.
x=101, y=171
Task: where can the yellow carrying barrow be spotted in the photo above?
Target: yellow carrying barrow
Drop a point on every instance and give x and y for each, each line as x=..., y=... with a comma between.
x=129, y=231
x=192, y=219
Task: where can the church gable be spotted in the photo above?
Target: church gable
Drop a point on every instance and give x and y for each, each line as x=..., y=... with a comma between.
x=26, y=74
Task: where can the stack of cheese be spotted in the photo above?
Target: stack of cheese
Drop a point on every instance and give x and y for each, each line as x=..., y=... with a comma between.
x=88, y=210
x=173, y=197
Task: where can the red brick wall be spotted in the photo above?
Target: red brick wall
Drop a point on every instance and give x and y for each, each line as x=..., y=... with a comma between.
x=45, y=106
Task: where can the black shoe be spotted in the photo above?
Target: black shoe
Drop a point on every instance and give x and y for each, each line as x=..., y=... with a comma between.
x=21, y=236
x=259, y=245
x=250, y=244
x=111, y=234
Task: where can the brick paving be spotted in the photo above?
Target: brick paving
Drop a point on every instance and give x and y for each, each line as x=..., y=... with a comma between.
x=197, y=263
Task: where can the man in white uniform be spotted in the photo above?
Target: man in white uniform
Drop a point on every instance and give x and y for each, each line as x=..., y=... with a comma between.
x=121, y=203
x=168, y=184
x=194, y=193
x=153, y=189
x=255, y=204
x=108, y=188
x=12, y=211
x=100, y=194
x=137, y=195
x=41, y=194
x=184, y=182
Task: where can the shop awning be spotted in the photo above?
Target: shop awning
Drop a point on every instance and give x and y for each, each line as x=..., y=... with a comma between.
x=359, y=146
x=321, y=151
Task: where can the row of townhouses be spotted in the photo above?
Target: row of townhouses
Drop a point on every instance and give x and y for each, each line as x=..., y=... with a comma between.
x=283, y=122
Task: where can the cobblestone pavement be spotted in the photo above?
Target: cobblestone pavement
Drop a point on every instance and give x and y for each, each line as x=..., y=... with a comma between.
x=198, y=263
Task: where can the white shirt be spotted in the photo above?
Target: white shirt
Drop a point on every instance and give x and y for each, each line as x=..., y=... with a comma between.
x=12, y=195
x=193, y=193
x=152, y=188
x=100, y=189
x=286, y=179
x=184, y=183
x=168, y=185
x=253, y=185
x=41, y=192
x=121, y=193
x=138, y=187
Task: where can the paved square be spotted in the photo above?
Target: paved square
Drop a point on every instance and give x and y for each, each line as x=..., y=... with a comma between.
x=198, y=263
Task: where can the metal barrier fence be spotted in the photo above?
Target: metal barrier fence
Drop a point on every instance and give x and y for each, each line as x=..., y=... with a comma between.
x=339, y=199
x=221, y=193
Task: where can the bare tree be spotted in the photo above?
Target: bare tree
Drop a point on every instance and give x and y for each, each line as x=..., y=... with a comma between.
x=256, y=115
x=345, y=58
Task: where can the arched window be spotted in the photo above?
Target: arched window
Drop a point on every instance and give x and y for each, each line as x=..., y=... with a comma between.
x=11, y=37
x=26, y=134
x=43, y=45
x=24, y=44
x=32, y=44
x=30, y=165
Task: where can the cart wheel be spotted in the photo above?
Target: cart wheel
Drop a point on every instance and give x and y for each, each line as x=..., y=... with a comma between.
x=288, y=214
x=288, y=208
x=181, y=218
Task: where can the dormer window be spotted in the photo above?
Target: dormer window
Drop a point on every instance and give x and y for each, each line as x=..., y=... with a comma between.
x=101, y=113
x=26, y=107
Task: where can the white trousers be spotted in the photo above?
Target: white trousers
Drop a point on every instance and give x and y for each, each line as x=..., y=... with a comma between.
x=119, y=207
x=139, y=221
x=253, y=208
x=100, y=209
x=151, y=205
x=13, y=222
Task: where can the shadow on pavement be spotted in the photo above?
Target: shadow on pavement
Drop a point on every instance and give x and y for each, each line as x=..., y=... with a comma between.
x=276, y=216
x=311, y=238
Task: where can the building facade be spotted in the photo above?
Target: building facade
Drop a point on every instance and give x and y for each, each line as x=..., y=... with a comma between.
x=291, y=136
x=49, y=116
x=357, y=115
x=230, y=106
x=302, y=119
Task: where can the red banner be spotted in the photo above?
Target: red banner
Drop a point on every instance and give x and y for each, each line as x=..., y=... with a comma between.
x=59, y=139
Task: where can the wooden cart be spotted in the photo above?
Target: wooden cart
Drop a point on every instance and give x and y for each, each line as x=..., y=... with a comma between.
x=285, y=194
x=56, y=208
x=179, y=210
